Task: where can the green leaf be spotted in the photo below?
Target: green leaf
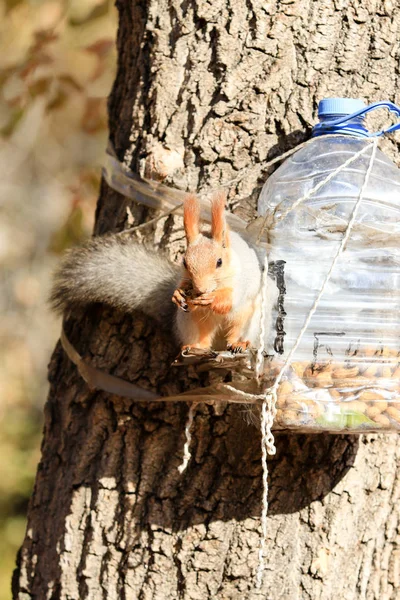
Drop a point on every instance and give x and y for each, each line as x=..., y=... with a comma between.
x=346, y=420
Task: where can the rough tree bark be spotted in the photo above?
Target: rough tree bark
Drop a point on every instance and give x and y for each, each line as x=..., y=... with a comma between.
x=224, y=85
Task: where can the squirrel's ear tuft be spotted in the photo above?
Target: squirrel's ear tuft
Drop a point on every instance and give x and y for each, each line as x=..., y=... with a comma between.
x=219, y=228
x=191, y=216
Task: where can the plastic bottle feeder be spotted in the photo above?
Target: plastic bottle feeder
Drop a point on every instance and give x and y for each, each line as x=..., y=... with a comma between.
x=345, y=372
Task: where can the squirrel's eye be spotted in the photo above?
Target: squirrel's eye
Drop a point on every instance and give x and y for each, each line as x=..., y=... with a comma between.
x=219, y=262
x=184, y=263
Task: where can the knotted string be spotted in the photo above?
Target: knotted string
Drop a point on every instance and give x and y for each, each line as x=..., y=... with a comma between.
x=188, y=438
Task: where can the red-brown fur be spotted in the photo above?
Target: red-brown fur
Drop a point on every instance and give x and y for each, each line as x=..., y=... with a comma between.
x=191, y=215
x=222, y=303
x=204, y=291
x=235, y=327
x=219, y=230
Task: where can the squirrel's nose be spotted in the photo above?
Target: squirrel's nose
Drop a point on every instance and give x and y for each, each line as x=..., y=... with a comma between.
x=203, y=288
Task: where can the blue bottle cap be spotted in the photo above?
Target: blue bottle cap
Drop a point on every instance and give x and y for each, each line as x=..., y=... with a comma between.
x=337, y=107
x=345, y=116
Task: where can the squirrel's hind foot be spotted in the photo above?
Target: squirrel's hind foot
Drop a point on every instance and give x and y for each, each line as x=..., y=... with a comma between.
x=238, y=347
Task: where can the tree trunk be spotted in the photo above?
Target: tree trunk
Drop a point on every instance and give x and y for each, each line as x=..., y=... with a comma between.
x=217, y=87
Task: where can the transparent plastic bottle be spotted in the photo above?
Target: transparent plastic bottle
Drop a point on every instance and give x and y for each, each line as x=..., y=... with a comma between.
x=345, y=374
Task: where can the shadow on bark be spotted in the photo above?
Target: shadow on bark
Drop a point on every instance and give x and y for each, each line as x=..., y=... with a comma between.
x=223, y=481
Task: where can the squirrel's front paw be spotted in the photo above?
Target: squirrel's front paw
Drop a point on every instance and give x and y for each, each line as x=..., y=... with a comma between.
x=179, y=298
x=203, y=300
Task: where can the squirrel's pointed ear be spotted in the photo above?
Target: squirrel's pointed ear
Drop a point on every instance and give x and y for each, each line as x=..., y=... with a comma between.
x=219, y=228
x=191, y=217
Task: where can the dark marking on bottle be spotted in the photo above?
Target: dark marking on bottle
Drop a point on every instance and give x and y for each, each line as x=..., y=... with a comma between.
x=318, y=345
x=276, y=270
x=354, y=348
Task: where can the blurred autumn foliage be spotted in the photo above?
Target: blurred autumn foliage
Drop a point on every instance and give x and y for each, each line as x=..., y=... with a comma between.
x=57, y=64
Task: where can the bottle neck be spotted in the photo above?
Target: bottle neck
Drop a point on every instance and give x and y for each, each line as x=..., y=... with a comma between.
x=354, y=127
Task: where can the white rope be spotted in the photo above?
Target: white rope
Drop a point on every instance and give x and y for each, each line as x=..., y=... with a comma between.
x=188, y=438
x=245, y=395
x=269, y=405
x=323, y=182
x=265, y=490
x=264, y=165
x=315, y=189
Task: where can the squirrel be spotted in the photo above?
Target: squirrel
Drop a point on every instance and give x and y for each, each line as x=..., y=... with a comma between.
x=216, y=291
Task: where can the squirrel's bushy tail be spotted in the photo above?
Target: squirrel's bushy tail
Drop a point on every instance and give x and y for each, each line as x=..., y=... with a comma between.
x=117, y=272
